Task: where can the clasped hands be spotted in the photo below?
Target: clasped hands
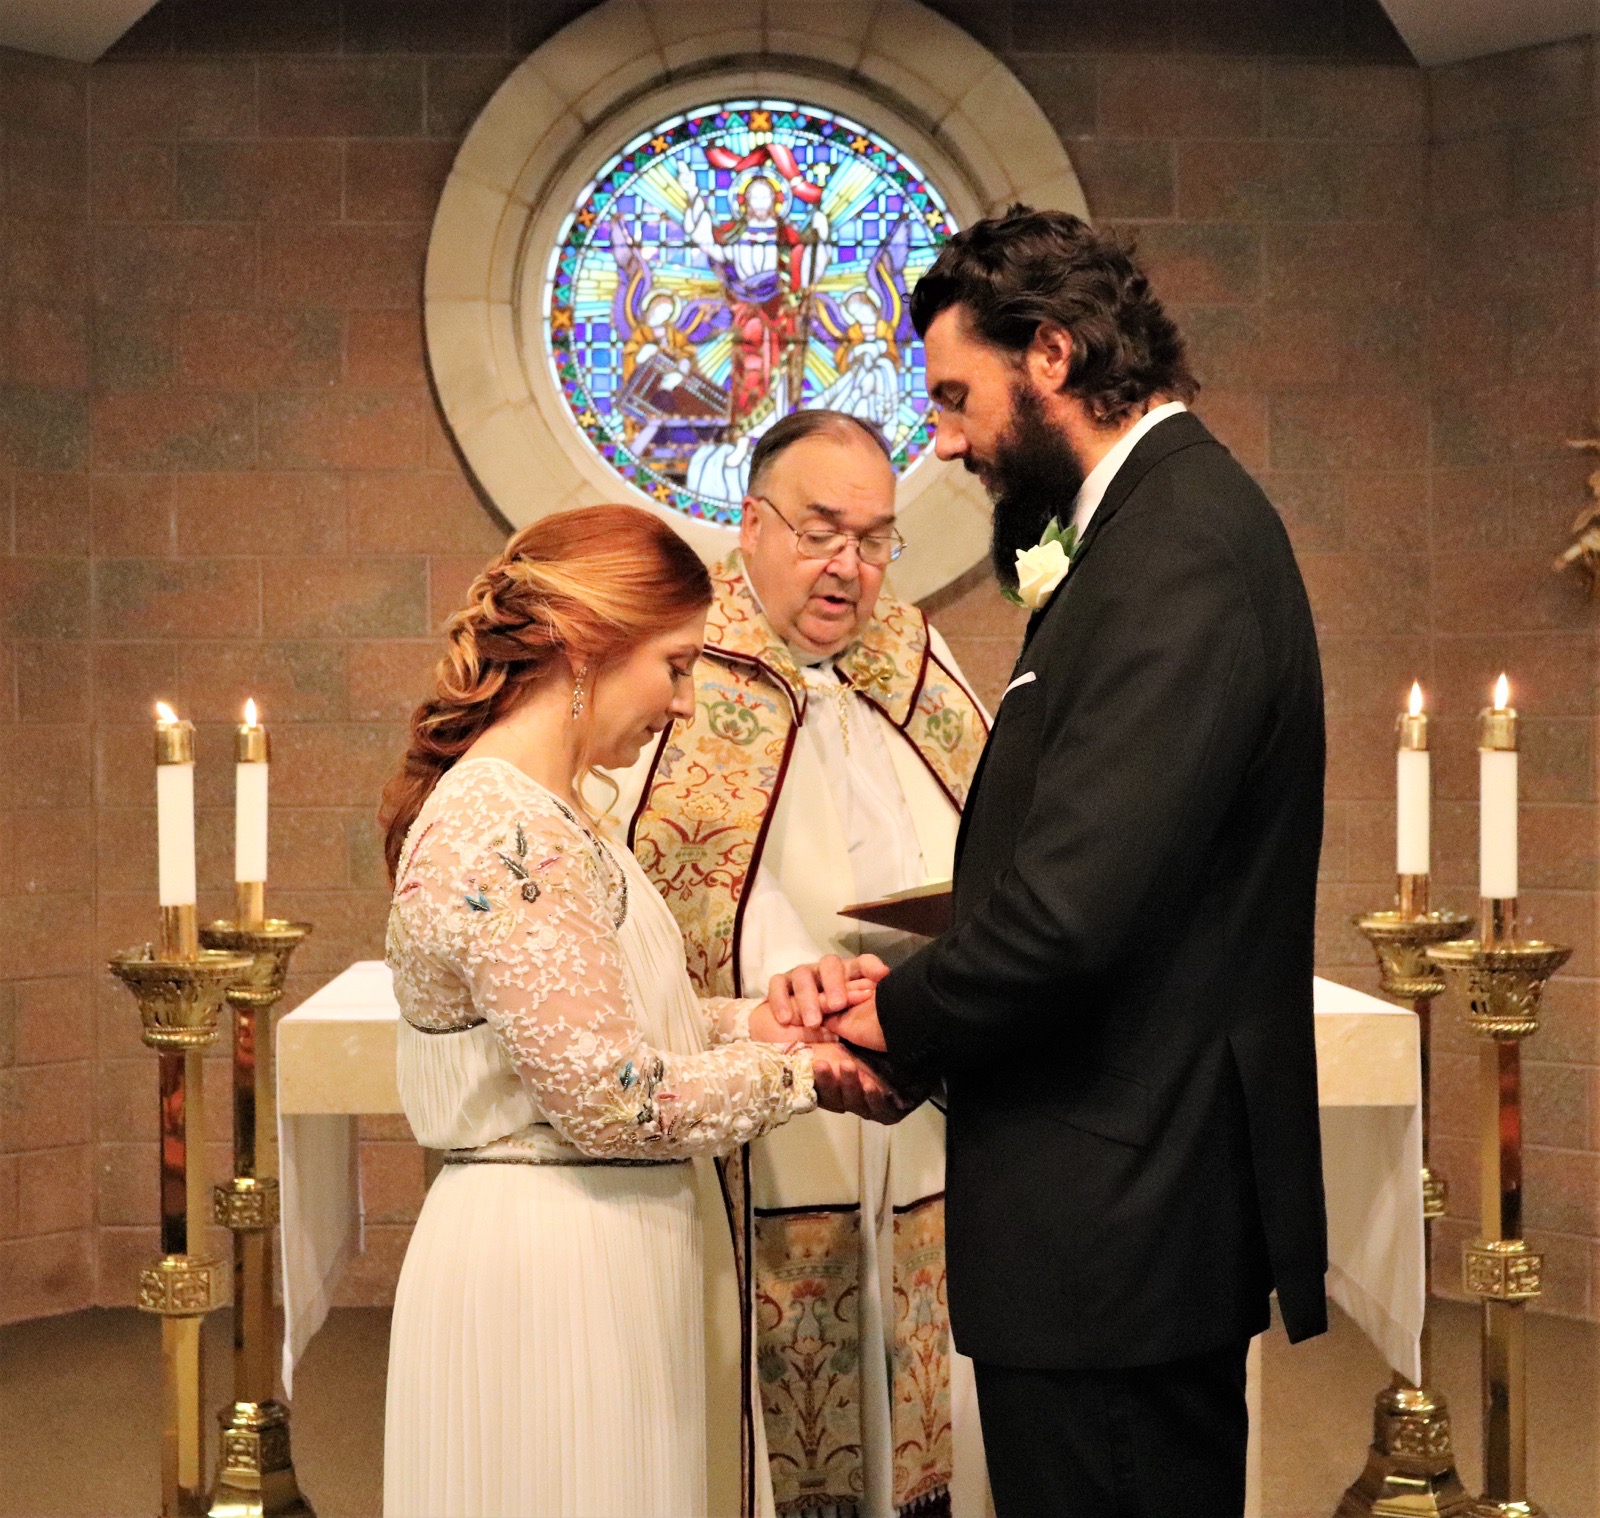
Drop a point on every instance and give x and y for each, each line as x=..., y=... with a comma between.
x=826, y=1006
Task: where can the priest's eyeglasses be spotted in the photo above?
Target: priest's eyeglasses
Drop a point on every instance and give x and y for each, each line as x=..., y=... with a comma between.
x=875, y=548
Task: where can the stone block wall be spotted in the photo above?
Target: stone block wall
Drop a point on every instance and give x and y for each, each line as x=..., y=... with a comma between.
x=1512, y=370
x=222, y=473
x=48, y=1047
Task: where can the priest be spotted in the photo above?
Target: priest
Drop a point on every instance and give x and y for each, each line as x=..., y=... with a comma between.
x=832, y=748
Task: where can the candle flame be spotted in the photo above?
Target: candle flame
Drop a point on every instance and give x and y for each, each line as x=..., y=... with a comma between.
x=1502, y=694
x=1416, y=698
x=165, y=714
x=250, y=712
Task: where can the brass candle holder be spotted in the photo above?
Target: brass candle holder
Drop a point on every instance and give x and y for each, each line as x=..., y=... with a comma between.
x=180, y=995
x=1502, y=978
x=255, y=1473
x=1410, y=1470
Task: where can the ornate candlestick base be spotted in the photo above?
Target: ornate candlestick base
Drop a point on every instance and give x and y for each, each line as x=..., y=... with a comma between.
x=1502, y=978
x=179, y=999
x=1515, y=1508
x=255, y=1474
x=1410, y=1470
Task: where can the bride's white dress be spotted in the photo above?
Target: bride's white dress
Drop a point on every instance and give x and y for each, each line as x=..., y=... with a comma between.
x=548, y=1354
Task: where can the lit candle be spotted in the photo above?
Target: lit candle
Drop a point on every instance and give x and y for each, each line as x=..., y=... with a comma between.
x=174, y=807
x=250, y=812
x=1412, y=790
x=1497, y=797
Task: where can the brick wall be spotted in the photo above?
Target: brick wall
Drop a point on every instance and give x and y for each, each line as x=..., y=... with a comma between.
x=259, y=493
x=1511, y=354
x=47, y=818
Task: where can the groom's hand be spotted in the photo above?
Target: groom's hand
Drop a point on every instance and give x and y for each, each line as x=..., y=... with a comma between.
x=859, y=1025
x=847, y=1084
x=809, y=993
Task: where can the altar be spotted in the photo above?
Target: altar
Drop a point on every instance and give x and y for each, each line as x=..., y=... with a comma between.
x=336, y=1062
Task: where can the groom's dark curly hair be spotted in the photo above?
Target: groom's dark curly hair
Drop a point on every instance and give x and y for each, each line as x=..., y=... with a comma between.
x=1013, y=272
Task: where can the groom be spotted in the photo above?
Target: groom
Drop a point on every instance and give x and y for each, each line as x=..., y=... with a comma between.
x=1121, y=1011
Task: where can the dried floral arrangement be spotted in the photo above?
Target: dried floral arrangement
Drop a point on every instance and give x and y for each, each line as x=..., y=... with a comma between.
x=1584, y=550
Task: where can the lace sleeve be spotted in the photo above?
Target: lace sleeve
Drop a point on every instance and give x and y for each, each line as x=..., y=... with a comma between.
x=728, y=1017
x=533, y=934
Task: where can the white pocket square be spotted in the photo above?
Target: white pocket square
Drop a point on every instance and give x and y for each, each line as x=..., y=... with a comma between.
x=1026, y=679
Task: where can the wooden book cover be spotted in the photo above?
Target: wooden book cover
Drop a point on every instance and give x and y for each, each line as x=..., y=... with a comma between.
x=924, y=909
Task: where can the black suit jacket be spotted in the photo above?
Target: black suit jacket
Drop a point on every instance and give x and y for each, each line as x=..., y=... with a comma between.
x=1122, y=1007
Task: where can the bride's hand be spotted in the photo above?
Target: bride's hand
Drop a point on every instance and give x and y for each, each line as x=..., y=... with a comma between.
x=765, y=1027
x=809, y=993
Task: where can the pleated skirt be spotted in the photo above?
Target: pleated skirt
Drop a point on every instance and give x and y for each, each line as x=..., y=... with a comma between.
x=546, y=1358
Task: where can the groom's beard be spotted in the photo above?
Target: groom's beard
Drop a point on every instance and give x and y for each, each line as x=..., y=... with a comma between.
x=1034, y=477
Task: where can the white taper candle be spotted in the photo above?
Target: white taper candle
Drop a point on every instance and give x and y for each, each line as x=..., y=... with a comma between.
x=174, y=807
x=1497, y=797
x=250, y=798
x=1413, y=791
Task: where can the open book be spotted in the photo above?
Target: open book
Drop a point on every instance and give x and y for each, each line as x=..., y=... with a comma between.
x=924, y=909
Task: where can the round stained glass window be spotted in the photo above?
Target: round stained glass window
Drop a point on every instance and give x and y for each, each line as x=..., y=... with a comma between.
x=727, y=267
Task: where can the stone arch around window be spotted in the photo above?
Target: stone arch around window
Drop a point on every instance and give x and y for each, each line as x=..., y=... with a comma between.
x=894, y=66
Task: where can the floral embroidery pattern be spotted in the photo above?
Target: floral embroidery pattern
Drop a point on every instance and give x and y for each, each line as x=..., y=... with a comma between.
x=946, y=727
x=468, y=942
x=808, y=1266
x=923, y=1445
x=809, y=1364
x=872, y=670
x=697, y=840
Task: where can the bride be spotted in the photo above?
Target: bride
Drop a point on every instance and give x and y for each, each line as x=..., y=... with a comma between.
x=549, y=1350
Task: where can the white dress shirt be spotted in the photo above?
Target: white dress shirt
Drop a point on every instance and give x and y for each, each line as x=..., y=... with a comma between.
x=1099, y=479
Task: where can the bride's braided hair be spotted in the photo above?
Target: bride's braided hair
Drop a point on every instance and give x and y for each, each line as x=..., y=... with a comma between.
x=588, y=585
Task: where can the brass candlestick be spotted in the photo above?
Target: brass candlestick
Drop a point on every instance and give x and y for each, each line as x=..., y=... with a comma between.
x=1410, y=1470
x=1502, y=978
x=255, y=1474
x=179, y=997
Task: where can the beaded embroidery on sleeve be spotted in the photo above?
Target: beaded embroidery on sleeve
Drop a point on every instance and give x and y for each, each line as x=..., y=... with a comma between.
x=503, y=887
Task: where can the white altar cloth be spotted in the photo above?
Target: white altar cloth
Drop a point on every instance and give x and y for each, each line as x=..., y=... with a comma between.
x=1372, y=1168
x=339, y=1047
x=336, y=1060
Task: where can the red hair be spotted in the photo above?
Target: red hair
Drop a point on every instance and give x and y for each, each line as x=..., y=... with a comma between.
x=590, y=585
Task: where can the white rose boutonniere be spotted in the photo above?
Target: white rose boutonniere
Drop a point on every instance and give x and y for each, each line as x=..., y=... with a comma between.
x=1043, y=567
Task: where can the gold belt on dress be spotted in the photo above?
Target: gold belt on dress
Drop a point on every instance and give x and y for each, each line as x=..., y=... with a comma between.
x=539, y=1144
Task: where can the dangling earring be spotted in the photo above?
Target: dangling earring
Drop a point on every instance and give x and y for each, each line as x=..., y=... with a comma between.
x=577, y=693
